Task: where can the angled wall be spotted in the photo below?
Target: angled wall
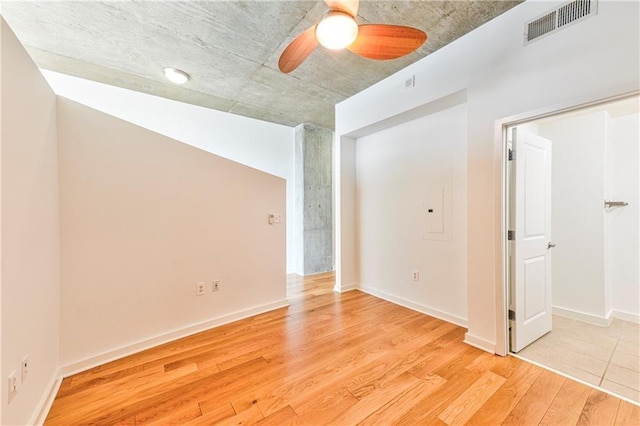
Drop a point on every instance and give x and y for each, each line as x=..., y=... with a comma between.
x=105, y=230
x=143, y=218
x=29, y=253
x=264, y=146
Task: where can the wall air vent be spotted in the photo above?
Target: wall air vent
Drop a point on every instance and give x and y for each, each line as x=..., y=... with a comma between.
x=559, y=18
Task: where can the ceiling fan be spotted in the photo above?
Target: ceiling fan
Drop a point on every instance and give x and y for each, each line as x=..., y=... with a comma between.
x=338, y=29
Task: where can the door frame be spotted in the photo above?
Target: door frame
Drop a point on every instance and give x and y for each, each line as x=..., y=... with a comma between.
x=502, y=203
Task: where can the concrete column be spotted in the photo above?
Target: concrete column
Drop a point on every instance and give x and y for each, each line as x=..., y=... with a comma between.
x=313, y=199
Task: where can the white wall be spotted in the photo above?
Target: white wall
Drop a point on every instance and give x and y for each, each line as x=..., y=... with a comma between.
x=29, y=251
x=577, y=219
x=395, y=170
x=265, y=146
x=503, y=78
x=624, y=223
x=143, y=218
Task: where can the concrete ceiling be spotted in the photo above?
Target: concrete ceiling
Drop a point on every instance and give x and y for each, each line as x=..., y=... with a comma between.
x=230, y=48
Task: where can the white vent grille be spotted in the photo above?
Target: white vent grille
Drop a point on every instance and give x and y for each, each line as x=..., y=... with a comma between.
x=558, y=18
x=541, y=26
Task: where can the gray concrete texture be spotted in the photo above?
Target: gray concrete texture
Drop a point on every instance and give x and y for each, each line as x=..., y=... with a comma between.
x=230, y=48
x=314, y=200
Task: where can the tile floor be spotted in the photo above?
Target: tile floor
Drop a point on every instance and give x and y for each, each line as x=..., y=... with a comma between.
x=608, y=357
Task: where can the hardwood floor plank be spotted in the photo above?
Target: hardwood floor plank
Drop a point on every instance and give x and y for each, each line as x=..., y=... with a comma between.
x=394, y=410
x=600, y=409
x=427, y=410
x=503, y=366
x=359, y=364
x=360, y=351
x=215, y=415
x=462, y=408
x=328, y=358
x=458, y=363
x=66, y=383
x=177, y=417
x=500, y=404
x=273, y=393
x=399, y=354
x=378, y=374
x=442, y=358
x=172, y=395
x=376, y=398
x=284, y=417
x=213, y=388
x=84, y=404
x=628, y=414
x=79, y=386
x=250, y=416
x=321, y=409
x=536, y=401
x=130, y=421
x=567, y=406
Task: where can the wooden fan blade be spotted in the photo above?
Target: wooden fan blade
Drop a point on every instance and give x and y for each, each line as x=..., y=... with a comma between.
x=298, y=50
x=378, y=41
x=346, y=6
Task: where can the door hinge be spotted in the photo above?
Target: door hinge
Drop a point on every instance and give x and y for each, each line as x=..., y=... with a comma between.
x=512, y=155
x=511, y=235
x=512, y=315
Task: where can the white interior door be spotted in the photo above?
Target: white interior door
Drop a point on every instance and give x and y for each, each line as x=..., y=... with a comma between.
x=531, y=244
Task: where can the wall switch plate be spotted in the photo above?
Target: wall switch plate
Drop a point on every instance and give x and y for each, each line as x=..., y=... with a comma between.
x=200, y=289
x=275, y=218
x=13, y=386
x=215, y=286
x=24, y=369
x=415, y=275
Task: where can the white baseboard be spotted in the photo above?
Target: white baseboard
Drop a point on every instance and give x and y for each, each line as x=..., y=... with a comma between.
x=582, y=316
x=345, y=287
x=626, y=316
x=112, y=355
x=42, y=410
x=462, y=322
x=480, y=343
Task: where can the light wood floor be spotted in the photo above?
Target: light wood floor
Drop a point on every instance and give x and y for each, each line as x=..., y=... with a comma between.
x=330, y=359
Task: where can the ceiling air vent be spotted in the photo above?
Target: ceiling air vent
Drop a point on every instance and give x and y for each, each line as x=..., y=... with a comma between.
x=559, y=18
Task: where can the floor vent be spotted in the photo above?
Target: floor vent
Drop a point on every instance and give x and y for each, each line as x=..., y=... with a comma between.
x=559, y=18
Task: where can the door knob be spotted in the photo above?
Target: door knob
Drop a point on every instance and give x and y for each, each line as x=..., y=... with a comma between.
x=550, y=245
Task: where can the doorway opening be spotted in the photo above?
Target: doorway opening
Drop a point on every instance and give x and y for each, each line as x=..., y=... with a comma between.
x=572, y=249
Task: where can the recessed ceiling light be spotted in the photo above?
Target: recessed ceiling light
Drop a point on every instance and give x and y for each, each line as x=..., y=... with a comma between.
x=176, y=76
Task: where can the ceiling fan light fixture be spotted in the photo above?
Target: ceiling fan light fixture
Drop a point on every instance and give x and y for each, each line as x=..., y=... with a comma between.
x=176, y=76
x=336, y=30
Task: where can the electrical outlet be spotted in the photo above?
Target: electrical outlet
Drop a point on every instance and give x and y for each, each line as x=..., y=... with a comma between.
x=24, y=369
x=415, y=275
x=200, y=289
x=216, y=286
x=13, y=386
